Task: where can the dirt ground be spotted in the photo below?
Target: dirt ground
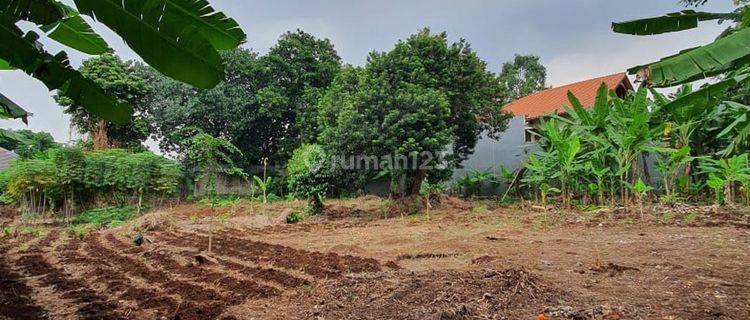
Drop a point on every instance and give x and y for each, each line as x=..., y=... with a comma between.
x=363, y=260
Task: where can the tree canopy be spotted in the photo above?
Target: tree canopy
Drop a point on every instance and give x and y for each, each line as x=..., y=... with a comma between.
x=266, y=105
x=119, y=79
x=26, y=143
x=415, y=101
x=522, y=77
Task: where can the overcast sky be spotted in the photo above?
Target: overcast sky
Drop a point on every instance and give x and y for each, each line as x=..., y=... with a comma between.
x=573, y=38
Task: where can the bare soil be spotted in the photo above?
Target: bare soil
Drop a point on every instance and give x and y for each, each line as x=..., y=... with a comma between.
x=367, y=259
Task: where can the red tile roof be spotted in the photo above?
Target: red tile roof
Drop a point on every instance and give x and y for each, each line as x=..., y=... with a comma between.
x=548, y=101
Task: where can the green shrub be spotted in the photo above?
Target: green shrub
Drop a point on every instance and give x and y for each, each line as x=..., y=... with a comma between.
x=81, y=231
x=114, y=177
x=107, y=217
x=294, y=217
x=310, y=174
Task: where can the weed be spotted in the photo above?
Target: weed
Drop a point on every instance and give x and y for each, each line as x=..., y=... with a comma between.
x=193, y=218
x=224, y=217
x=106, y=217
x=479, y=209
x=690, y=218
x=294, y=217
x=36, y=231
x=81, y=231
x=628, y=221
x=666, y=218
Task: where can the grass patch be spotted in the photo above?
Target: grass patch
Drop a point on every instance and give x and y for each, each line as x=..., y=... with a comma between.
x=691, y=217
x=95, y=219
x=106, y=217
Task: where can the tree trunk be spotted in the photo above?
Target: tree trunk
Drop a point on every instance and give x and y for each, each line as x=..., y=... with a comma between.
x=316, y=204
x=414, y=182
x=99, y=135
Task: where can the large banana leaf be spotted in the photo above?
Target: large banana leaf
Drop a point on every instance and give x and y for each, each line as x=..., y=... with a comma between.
x=162, y=36
x=224, y=33
x=10, y=110
x=74, y=32
x=24, y=53
x=701, y=99
x=712, y=59
x=4, y=65
x=37, y=11
x=671, y=22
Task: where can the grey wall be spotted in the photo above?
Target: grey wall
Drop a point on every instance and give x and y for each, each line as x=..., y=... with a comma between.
x=510, y=150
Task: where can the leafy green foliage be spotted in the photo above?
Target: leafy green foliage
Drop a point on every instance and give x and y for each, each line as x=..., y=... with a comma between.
x=522, y=77
x=26, y=143
x=414, y=99
x=120, y=80
x=296, y=72
x=266, y=105
x=37, y=11
x=294, y=217
x=74, y=32
x=672, y=22
x=105, y=217
x=310, y=172
x=209, y=156
x=22, y=52
x=179, y=38
x=105, y=177
x=593, y=152
x=183, y=52
x=726, y=54
x=724, y=173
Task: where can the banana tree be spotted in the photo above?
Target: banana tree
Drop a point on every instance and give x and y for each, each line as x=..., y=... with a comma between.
x=730, y=171
x=739, y=130
x=630, y=133
x=669, y=164
x=565, y=147
x=179, y=38
x=727, y=53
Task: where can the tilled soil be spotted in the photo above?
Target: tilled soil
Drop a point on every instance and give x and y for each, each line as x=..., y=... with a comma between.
x=453, y=264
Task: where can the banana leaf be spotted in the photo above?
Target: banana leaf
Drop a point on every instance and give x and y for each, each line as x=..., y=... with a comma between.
x=10, y=110
x=671, y=22
x=168, y=35
x=224, y=33
x=4, y=65
x=37, y=11
x=24, y=53
x=718, y=57
x=74, y=32
x=702, y=98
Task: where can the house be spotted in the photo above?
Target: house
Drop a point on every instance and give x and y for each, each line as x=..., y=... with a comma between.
x=6, y=157
x=515, y=143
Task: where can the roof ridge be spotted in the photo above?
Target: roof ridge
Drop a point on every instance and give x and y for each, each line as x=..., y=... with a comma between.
x=624, y=74
x=552, y=99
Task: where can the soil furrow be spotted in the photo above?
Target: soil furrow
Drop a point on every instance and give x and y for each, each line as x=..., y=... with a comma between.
x=197, y=302
x=317, y=264
x=98, y=271
x=15, y=296
x=255, y=272
x=92, y=305
x=238, y=289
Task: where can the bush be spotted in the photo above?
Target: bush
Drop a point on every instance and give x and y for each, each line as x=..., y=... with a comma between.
x=113, y=177
x=294, y=217
x=310, y=173
x=106, y=217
